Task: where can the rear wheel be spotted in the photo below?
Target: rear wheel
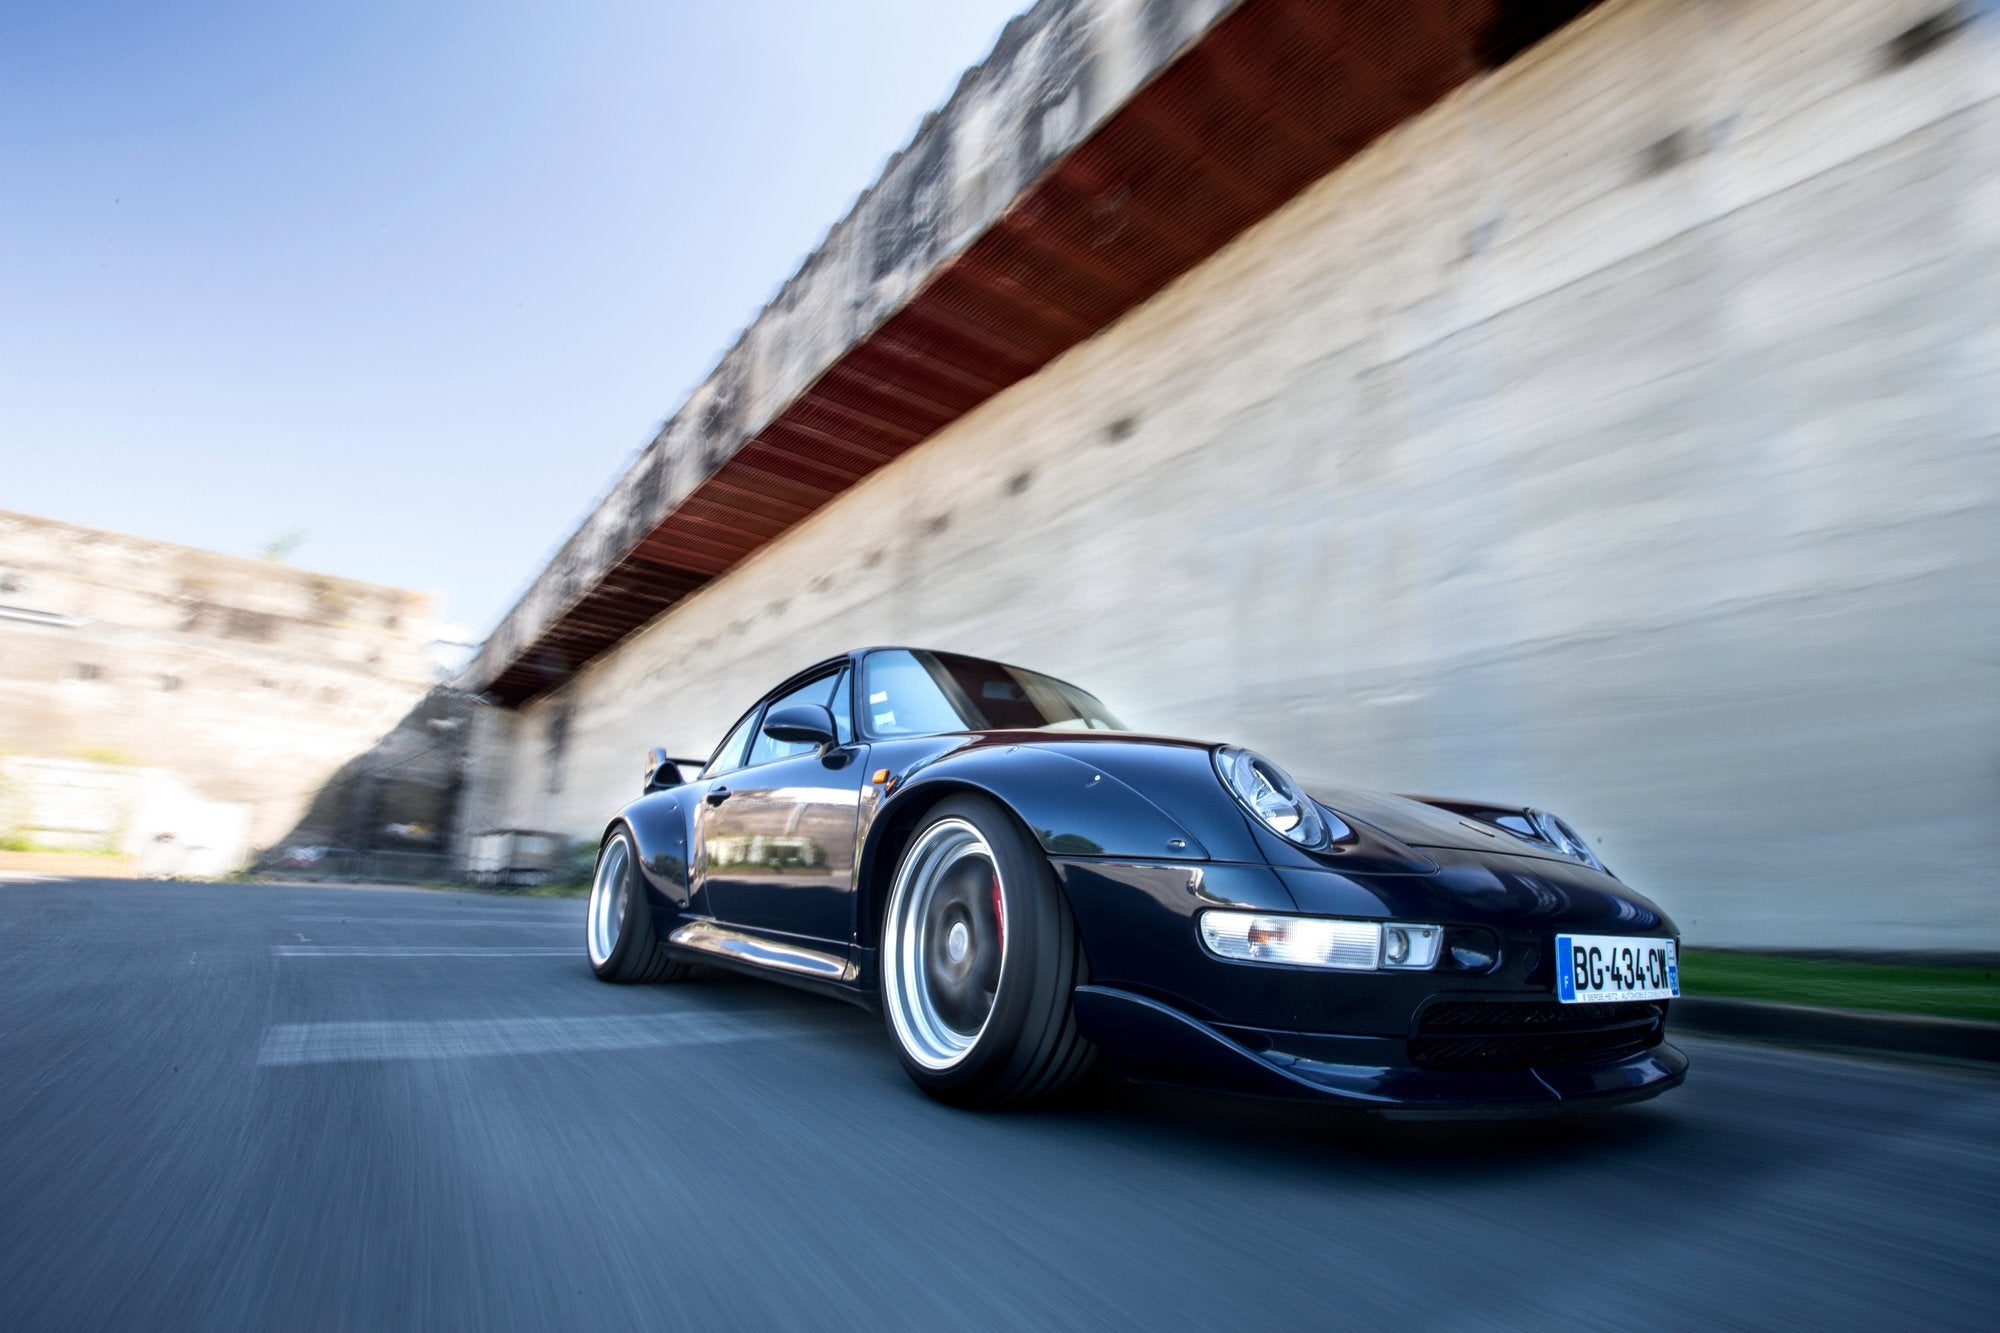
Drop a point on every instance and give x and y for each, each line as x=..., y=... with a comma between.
x=618, y=925
x=979, y=956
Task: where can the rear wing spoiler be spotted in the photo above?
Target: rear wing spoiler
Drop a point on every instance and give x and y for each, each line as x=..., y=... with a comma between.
x=664, y=770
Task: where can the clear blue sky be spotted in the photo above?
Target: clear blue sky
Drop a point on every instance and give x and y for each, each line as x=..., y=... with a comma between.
x=417, y=277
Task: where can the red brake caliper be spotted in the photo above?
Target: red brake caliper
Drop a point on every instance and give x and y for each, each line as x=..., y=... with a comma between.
x=999, y=912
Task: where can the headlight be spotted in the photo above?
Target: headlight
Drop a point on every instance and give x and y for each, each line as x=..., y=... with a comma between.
x=1313, y=941
x=1564, y=838
x=1269, y=793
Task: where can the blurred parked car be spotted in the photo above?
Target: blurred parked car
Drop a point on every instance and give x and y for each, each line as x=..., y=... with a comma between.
x=302, y=857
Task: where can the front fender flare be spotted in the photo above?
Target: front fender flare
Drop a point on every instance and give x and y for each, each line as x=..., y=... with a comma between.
x=1071, y=807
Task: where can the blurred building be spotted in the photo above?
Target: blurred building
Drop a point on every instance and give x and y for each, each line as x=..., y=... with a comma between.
x=150, y=689
x=1587, y=405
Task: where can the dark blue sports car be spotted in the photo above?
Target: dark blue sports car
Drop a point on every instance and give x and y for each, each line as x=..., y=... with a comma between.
x=1024, y=888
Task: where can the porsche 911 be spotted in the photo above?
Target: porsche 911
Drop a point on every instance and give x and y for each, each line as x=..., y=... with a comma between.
x=1025, y=890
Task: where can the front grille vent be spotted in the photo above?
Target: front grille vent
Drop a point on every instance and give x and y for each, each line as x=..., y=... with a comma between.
x=1518, y=1034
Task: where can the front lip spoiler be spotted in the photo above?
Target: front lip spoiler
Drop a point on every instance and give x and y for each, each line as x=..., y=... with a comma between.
x=1161, y=1038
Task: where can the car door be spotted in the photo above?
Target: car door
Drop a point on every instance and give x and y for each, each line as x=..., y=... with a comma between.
x=778, y=833
x=728, y=758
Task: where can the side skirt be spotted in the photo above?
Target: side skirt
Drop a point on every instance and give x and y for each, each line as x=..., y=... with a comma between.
x=737, y=950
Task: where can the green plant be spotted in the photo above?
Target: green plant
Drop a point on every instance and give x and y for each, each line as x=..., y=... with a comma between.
x=17, y=841
x=576, y=868
x=557, y=891
x=1950, y=992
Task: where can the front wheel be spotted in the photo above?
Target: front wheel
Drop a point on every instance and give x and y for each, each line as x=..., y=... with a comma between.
x=979, y=956
x=618, y=925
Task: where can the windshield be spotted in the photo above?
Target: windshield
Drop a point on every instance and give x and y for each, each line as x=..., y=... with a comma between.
x=923, y=694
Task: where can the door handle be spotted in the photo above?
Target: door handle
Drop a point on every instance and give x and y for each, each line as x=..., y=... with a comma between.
x=717, y=795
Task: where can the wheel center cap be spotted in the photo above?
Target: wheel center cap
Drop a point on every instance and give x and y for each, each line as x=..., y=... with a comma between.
x=957, y=942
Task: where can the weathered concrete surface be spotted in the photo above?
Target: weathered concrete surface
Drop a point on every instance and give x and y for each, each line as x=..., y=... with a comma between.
x=248, y=680
x=1619, y=436
x=398, y=799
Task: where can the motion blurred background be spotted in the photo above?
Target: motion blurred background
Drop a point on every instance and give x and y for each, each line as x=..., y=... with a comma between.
x=1586, y=405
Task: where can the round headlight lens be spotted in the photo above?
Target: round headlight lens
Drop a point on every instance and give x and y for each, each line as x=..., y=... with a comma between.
x=1269, y=793
x=1564, y=838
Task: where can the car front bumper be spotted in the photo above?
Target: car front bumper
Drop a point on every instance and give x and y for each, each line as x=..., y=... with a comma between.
x=1365, y=1074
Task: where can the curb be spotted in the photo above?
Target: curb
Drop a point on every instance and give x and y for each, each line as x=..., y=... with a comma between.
x=1844, y=1029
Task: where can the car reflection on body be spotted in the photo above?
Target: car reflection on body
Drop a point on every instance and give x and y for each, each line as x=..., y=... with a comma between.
x=1025, y=889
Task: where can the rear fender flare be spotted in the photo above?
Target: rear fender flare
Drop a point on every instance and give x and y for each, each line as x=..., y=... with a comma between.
x=660, y=828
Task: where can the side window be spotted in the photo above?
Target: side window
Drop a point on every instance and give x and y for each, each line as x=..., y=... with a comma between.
x=765, y=750
x=729, y=755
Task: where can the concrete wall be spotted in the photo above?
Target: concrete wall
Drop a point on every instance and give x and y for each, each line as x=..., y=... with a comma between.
x=1620, y=436
x=146, y=814
x=251, y=681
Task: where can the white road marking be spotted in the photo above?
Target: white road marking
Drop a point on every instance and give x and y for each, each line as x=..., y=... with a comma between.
x=446, y=920
x=460, y=1039
x=416, y=951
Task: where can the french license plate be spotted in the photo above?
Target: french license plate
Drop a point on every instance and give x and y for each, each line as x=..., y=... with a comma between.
x=1591, y=969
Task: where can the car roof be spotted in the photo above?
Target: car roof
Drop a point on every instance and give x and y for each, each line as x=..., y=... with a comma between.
x=853, y=657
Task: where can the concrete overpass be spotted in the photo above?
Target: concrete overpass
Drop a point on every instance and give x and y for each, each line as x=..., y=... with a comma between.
x=1102, y=150
x=1591, y=407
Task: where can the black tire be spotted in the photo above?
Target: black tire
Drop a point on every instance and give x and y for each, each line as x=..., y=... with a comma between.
x=637, y=954
x=1028, y=1048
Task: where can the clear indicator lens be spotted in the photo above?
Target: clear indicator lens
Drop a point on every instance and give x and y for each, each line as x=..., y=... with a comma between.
x=1300, y=940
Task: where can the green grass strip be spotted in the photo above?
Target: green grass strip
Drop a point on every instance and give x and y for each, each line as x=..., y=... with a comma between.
x=1945, y=992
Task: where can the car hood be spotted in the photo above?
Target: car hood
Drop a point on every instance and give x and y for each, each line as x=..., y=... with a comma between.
x=1418, y=825
x=1175, y=772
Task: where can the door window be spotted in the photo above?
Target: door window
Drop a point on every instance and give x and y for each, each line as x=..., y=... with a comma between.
x=765, y=749
x=729, y=755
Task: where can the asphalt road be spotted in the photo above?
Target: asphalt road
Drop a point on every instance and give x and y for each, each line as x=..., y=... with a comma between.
x=255, y=1107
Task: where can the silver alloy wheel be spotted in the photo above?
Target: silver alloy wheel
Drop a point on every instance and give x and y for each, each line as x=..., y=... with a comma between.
x=946, y=950
x=607, y=901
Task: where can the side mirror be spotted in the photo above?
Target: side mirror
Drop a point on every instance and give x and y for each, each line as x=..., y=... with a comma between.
x=801, y=724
